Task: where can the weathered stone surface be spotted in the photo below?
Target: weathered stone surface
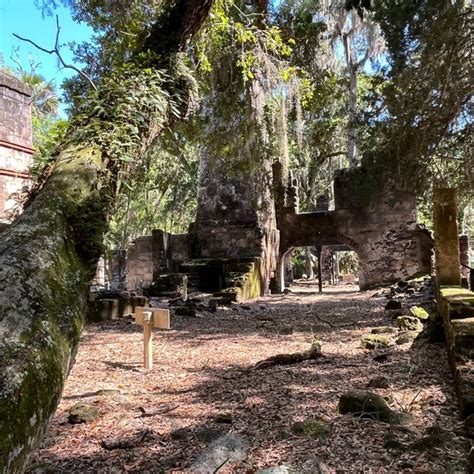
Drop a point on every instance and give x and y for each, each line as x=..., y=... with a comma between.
x=446, y=240
x=419, y=312
x=375, y=341
x=460, y=344
x=82, y=413
x=311, y=428
x=409, y=323
x=366, y=405
x=106, y=309
x=384, y=233
x=383, y=330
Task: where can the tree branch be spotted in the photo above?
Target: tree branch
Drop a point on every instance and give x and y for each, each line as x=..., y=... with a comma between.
x=56, y=51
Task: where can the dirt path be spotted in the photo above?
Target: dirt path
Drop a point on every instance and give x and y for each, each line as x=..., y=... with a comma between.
x=203, y=385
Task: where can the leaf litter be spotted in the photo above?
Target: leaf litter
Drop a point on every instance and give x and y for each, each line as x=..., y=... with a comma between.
x=161, y=420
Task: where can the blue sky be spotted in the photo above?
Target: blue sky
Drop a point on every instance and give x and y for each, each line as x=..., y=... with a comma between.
x=25, y=19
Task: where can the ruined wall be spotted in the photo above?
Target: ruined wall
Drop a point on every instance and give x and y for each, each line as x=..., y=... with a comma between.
x=140, y=263
x=169, y=251
x=384, y=232
x=16, y=151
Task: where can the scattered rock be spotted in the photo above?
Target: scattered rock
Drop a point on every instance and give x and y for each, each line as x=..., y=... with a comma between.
x=313, y=466
x=225, y=450
x=374, y=341
x=366, y=405
x=394, y=313
x=379, y=382
x=406, y=337
x=419, y=312
x=82, y=413
x=393, y=304
x=274, y=470
x=383, y=330
x=409, y=323
x=311, y=428
x=223, y=418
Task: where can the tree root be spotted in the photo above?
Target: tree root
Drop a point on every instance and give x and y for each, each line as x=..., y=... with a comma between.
x=288, y=359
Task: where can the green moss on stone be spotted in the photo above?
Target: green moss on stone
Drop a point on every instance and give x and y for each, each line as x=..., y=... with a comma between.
x=374, y=341
x=366, y=405
x=311, y=428
x=409, y=323
x=419, y=312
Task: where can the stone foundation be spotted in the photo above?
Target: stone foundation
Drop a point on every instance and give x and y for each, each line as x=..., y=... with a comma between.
x=456, y=307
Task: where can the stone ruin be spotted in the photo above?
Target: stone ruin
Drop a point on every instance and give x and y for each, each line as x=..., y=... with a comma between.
x=384, y=233
x=247, y=221
x=16, y=141
x=237, y=246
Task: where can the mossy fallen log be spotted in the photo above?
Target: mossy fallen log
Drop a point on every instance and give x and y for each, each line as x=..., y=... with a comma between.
x=287, y=359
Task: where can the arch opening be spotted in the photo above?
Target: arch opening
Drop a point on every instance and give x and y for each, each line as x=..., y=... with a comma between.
x=322, y=265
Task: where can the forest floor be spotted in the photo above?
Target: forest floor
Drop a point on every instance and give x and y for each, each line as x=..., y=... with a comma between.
x=204, y=384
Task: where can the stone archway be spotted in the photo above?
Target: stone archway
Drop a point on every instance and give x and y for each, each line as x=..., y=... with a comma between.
x=384, y=232
x=316, y=240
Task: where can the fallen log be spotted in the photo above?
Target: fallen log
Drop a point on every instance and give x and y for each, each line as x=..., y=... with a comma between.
x=288, y=359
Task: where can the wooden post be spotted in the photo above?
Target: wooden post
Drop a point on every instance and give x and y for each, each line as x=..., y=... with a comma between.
x=150, y=318
x=147, y=340
x=446, y=240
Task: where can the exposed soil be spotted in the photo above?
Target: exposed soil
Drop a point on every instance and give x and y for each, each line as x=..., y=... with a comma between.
x=203, y=384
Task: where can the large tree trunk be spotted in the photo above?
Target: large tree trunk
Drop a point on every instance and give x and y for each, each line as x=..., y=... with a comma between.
x=48, y=255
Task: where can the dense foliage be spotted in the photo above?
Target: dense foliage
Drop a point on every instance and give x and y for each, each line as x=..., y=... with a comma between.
x=385, y=82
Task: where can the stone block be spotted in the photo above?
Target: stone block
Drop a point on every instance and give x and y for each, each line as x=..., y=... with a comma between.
x=464, y=380
x=462, y=337
x=106, y=309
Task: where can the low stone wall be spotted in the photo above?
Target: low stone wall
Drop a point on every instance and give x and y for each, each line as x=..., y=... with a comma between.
x=106, y=309
x=456, y=307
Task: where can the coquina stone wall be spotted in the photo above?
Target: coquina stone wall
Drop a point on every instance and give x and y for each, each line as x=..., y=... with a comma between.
x=140, y=263
x=383, y=231
x=16, y=151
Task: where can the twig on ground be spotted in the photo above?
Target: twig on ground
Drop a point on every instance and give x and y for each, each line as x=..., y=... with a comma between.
x=158, y=411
